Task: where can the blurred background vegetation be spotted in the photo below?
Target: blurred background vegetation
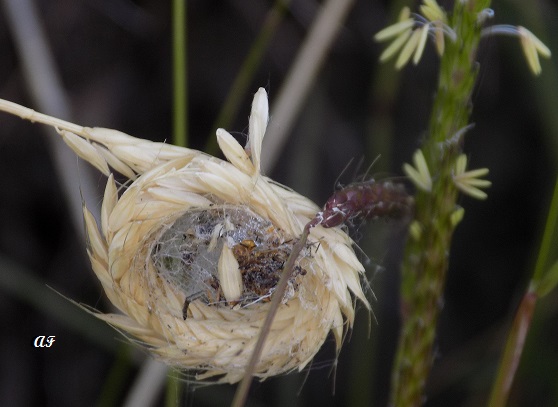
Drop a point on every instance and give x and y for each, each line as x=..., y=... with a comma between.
x=114, y=61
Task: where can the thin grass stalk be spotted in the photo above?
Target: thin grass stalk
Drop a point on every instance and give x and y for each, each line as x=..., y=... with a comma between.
x=544, y=276
x=180, y=88
x=305, y=67
x=513, y=350
x=426, y=255
x=174, y=390
x=249, y=67
x=544, y=280
x=241, y=394
x=174, y=386
x=180, y=138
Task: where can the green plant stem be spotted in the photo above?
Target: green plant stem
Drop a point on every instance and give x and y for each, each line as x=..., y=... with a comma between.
x=174, y=390
x=426, y=257
x=180, y=90
x=180, y=127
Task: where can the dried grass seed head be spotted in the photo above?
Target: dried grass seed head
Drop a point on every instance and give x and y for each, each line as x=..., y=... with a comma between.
x=192, y=249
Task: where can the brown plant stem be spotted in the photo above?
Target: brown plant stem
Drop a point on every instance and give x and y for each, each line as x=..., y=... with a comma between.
x=543, y=281
x=244, y=386
x=513, y=350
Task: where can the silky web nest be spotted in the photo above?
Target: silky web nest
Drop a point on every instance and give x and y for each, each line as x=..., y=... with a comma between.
x=191, y=251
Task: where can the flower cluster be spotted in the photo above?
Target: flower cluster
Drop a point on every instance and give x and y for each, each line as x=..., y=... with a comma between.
x=468, y=182
x=410, y=33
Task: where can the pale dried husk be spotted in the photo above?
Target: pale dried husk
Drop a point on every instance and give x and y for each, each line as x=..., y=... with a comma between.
x=216, y=341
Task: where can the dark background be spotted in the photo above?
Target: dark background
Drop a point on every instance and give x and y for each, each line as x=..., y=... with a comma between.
x=114, y=59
